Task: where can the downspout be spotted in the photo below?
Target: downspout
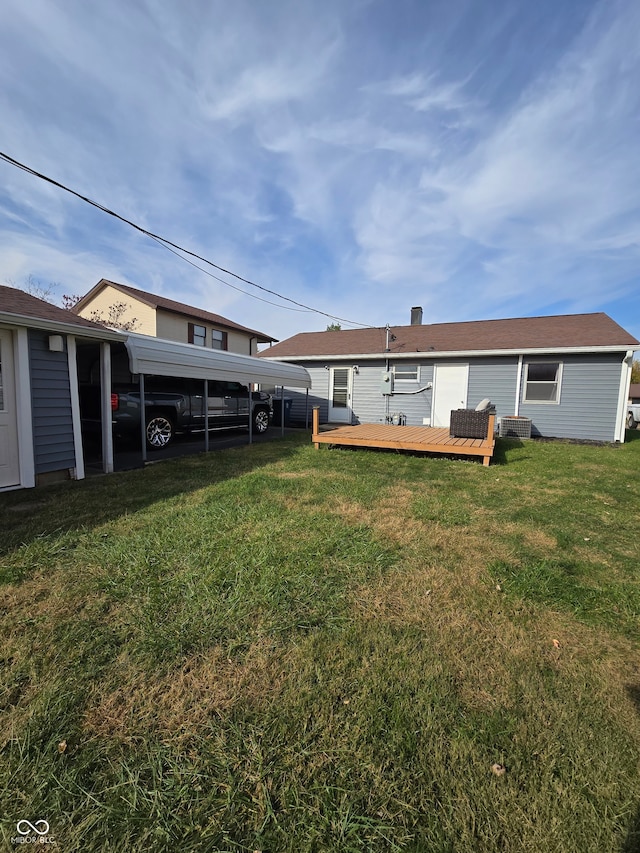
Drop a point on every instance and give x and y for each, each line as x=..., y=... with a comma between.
x=623, y=396
x=387, y=398
x=518, y=386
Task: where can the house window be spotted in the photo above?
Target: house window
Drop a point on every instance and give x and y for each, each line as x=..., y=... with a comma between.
x=406, y=372
x=542, y=382
x=197, y=335
x=218, y=339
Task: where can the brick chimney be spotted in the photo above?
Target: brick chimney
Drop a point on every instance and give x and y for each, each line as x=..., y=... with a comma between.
x=416, y=316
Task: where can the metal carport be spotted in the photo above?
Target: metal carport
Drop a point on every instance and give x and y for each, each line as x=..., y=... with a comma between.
x=155, y=356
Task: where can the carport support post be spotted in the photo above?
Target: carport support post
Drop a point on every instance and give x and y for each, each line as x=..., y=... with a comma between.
x=206, y=415
x=143, y=421
x=105, y=407
x=250, y=415
x=282, y=411
x=306, y=409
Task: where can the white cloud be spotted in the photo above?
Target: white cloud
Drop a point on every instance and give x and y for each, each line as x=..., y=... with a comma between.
x=299, y=146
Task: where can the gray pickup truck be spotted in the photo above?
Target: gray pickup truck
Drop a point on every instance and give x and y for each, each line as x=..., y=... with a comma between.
x=633, y=415
x=174, y=406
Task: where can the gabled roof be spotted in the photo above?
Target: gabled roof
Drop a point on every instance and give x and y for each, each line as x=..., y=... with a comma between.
x=171, y=305
x=21, y=309
x=572, y=331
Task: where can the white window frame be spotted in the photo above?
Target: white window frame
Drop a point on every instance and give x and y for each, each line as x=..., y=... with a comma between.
x=557, y=383
x=397, y=378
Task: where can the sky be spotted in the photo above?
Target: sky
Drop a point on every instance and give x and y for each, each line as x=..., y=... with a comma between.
x=478, y=159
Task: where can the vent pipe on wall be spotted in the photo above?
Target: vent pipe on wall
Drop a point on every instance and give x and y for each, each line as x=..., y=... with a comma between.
x=416, y=316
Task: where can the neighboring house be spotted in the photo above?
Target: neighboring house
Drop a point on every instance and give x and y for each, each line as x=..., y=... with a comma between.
x=40, y=428
x=569, y=374
x=170, y=320
x=634, y=392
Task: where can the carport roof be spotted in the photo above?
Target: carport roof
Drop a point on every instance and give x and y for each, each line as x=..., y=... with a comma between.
x=169, y=358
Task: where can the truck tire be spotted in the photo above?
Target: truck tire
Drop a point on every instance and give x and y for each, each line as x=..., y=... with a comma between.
x=261, y=420
x=159, y=432
x=631, y=423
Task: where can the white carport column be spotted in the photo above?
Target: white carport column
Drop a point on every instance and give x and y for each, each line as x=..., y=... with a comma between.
x=250, y=414
x=105, y=407
x=143, y=420
x=75, y=407
x=206, y=415
x=282, y=410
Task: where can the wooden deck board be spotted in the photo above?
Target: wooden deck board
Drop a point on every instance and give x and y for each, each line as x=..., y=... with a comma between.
x=424, y=439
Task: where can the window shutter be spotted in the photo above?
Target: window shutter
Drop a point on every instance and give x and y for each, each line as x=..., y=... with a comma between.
x=224, y=341
x=190, y=333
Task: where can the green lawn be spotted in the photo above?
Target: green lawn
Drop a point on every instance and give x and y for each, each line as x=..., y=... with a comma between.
x=279, y=649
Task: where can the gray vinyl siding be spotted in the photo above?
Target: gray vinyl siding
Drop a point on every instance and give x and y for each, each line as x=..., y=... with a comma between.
x=414, y=406
x=368, y=403
x=495, y=378
x=588, y=399
x=588, y=394
x=51, y=406
x=318, y=395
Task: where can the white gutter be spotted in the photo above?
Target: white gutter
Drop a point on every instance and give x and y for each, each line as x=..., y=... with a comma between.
x=422, y=354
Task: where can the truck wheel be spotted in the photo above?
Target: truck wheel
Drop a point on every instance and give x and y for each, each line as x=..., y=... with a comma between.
x=631, y=423
x=261, y=420
x=159, y=432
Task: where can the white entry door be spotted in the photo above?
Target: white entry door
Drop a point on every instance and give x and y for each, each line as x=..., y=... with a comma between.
x=9, y=460
x=340, y=387
x=449, y=391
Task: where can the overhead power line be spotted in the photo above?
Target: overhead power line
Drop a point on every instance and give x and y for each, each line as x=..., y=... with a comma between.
x=176, y=249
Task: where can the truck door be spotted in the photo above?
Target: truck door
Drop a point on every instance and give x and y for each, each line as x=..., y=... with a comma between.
x=223, y=407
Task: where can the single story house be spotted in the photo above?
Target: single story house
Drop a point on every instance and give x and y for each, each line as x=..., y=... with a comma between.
x=165, y=318
x=569, y=374
x=48, y=353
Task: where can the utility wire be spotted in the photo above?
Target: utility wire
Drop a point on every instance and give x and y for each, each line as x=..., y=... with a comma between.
x=174, y=246
x=228, y=283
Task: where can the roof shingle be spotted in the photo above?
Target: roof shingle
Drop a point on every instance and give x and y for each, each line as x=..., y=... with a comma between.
x=14, y=301
x=524, y=333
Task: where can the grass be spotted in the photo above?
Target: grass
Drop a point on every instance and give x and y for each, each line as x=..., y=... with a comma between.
x=280, y=649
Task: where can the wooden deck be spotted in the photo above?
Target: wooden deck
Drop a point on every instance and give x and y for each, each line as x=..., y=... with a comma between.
x=424, y=439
